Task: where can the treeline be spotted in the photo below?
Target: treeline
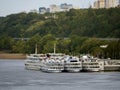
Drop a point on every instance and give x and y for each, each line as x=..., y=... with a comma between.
x=86, y=22
x=74, y=45
x=74, y=32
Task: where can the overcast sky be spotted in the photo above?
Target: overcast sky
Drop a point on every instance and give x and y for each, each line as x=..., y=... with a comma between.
x=15, y=6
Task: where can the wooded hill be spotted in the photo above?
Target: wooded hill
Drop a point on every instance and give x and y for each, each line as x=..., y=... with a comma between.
x=83, y=22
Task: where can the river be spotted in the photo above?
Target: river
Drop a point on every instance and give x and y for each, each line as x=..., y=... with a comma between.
x=14, y=76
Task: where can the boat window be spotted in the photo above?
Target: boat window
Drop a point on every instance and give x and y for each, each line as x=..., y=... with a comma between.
x=73, y=61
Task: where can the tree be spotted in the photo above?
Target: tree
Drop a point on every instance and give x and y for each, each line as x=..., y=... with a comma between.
x=6, y=42
x=63, y=46
x=91, y=45
x=19, y=47
x=32, y=42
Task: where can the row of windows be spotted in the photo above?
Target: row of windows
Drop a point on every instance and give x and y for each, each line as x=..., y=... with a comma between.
x=56, y=68
x=91, y=67
x=90, y=63
x=74, y=67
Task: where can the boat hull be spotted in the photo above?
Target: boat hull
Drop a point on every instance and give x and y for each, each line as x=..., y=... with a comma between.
x=32, y=66
x=72, y=70
x=51, y=70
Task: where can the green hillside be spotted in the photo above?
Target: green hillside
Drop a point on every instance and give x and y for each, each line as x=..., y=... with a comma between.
x=86, y=22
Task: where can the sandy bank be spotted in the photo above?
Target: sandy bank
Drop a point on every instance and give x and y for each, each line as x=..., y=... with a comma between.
x=12, y=56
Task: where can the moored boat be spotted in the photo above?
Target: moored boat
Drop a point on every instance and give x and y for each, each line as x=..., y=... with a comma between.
x=33, y=61
x=52, y=65
x=72, y=64
x=53, y=62
x=91, y=64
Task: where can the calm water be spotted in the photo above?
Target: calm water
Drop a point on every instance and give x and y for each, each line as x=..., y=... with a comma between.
x=13, y=76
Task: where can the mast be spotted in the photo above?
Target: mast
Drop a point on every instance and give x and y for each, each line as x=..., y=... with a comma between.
x=36, y=49
x=54, y=48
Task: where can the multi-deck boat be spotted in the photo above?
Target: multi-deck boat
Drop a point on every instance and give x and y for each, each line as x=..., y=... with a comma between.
x=33, y=61
x=52, y=64
x=91, y=64
x=72, y=64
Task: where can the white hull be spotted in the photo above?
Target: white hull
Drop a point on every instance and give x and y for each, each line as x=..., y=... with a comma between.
x=91, y=66
x=51, y=70
x=73, y=67
x=72, y=64
x=33, y=61
x=92, y=69
x=32, y=68
x=72, y=70
x=53, y=66
x=32, y=65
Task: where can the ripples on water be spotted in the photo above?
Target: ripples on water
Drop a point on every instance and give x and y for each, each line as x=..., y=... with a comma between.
x=13, y=76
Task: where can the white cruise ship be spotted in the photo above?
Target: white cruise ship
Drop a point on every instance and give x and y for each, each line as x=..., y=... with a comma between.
x=33, y=61
x=72, y=64
x=91, y=64
x=52, y=65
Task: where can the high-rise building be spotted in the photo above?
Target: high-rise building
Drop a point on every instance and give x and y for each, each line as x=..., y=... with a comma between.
x=96, y=4
x=106, y=3
x=101, y=3
x=111, y=3
x=58, y=8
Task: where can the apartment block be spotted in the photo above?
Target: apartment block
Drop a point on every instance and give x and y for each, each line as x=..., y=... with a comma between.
x=96, y=4
x=58, y=8
x=66, y=7
x=111, y=3
x=99, y=4
x=106, y=3
x=54, y=8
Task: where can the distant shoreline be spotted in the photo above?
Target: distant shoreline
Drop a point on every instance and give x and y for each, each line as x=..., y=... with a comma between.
x=12, y=56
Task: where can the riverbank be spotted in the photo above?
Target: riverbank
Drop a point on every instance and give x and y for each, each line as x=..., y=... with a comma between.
x=12, y=56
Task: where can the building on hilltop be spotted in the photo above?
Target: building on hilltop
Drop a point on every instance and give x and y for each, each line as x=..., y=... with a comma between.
x=56, y=8
x=66, y=7
x=43, y=10
x=96, y=4
x=111, y=3
x=118, y=3
x=106, y=3
x=100, y=4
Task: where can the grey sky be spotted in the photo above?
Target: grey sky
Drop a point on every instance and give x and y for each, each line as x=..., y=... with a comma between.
x=15, y=6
